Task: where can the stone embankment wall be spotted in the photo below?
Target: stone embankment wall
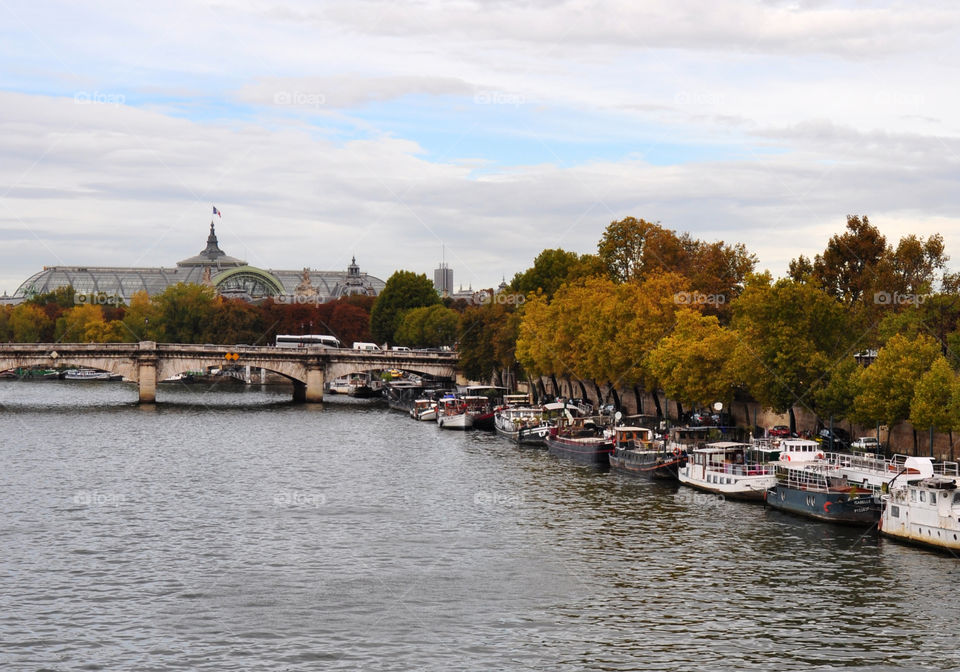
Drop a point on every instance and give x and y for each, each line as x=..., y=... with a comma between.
x=746, y=413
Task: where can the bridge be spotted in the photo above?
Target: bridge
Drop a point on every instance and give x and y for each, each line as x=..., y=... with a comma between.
x=147, y=362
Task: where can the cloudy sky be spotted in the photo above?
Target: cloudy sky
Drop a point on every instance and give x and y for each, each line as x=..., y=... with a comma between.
x=491, y=128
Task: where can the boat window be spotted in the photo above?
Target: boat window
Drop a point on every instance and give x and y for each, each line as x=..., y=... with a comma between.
x=895, y=511
x=956, y=498
x=933, y=498
x=923, y=496
x=913, y=495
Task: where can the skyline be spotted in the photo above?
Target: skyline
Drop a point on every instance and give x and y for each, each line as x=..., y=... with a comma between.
x=491, y=130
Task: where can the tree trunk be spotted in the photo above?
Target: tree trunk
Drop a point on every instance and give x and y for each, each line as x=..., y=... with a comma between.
x=656, y=403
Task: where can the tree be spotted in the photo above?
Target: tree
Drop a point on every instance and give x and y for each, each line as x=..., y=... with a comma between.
x=835, y=399
x=622, y=248
x=692, y=362
x=932, y=397
x=30, y=324
x=790, y=336
x=185, y=312
x=849, y=266
x=350, y=321
x=80, y=324
x=142, y=319
x=403, y=290
x=551, y=269
x=235, y=322
x=428, y=327
x=887, y=385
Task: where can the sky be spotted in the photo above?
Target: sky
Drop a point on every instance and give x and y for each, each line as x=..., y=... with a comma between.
x=480, y=131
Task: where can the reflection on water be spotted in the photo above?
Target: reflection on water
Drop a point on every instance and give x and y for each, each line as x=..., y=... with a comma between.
x=230, y=529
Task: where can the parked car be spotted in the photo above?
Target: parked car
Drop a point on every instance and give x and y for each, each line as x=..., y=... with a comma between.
x=779, y=430
x=838, y=440
x=866, y=444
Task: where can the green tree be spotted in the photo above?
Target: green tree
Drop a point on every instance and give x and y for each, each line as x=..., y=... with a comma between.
x=835, y=399
x=403, y=290
x=142, y=319
x=933, y=396
x=790, y=335
x=6, y=334
x=80, y=324
x=553, y=268
x=428, y=327
x=185, y=312
x=887, y=385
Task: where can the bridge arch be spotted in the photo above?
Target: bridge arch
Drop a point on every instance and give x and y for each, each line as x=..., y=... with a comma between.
x=127, y=369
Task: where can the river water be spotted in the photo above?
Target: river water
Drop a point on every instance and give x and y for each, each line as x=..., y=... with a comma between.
x=232, y=530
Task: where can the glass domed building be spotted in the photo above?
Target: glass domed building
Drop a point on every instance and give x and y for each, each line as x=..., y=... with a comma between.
x=231, y=277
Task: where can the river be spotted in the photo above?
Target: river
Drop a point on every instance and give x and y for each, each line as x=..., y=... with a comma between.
x=228, y=529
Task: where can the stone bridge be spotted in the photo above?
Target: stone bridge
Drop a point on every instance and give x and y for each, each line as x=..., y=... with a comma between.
x=146, y=363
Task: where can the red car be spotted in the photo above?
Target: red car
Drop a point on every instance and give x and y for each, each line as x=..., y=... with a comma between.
x=779, y=430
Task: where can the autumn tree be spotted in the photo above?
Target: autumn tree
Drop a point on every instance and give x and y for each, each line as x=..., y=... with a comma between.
x=849, y=266
x=692, y=362
x=30, y=324
x=933, y=396
x=887, y=385
x=403, y=291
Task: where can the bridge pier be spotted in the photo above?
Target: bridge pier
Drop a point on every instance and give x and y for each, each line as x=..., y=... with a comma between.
x=147, y=372
x=312, y=390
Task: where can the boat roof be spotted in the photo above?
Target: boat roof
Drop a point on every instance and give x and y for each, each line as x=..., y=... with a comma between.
x=722, y=446
x=798, y=442
x=629, y=428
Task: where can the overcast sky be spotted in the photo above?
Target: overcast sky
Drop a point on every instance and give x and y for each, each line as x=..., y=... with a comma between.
x=495, y=129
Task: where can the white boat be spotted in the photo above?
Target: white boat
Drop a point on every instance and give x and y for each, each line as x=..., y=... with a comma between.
x=424, y=409
x=923, y=505
x=799, y=450
x=730, y=469
x=89, y=374
x=452, y=414
x=522, y=424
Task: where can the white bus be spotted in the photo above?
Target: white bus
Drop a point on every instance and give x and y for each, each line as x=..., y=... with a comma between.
x=307, y=340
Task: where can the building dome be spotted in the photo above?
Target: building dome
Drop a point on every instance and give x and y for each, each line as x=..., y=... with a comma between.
x=212, y=255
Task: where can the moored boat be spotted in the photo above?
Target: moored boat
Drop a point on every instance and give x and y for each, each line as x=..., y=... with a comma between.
x=818, y=491
x=89, y=374
x=923, y=508
x=452, y=414
x=424, y=409
x=580, y=439
x=636, y=452
x=730, y=469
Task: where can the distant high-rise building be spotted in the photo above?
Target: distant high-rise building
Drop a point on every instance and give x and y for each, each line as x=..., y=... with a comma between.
x=443, y=279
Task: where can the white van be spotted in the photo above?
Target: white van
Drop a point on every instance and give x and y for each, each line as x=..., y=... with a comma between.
x=365, y=346
x=400, y=348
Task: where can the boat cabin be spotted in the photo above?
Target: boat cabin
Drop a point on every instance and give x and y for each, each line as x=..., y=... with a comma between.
x=800, y=450
x=633, y=437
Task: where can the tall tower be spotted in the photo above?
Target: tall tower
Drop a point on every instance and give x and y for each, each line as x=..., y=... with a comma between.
x=443, y=280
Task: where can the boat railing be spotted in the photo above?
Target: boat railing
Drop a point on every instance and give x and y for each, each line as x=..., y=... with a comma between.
x=763, y=443
x=746, y=469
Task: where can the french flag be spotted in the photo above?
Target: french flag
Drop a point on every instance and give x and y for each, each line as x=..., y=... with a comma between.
x=217, y=212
